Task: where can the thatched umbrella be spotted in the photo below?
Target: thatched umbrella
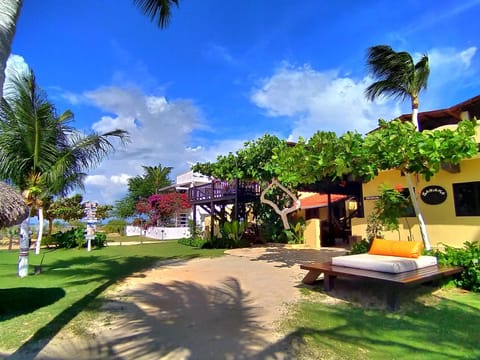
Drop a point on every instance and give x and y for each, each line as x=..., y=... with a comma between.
x=13, y=209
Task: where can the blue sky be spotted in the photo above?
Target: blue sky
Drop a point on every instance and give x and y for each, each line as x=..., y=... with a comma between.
x=225, y=72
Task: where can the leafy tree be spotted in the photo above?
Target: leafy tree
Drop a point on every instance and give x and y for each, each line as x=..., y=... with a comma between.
x=326, y=157
x=159, y=11
x=103, y=211
x=141, y=187
x=124, y=208
x=249, y=163
x=65, y=208
x=40, y=151
x=399, y=76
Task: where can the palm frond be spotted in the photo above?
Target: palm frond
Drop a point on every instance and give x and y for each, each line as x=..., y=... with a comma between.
x=396, y=73
x=158, y=10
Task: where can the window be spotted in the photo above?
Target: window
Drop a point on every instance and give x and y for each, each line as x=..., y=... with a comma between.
x=409, y=211
x=467, y=198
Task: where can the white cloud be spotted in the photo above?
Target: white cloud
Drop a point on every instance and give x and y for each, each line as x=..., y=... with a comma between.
x=449, y=64
x=160, y=133
x=96, y=180
x=318, y=100
x=16, y=66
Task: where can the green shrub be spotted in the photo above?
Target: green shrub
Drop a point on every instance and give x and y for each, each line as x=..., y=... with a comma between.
x=361, y=247
x=115, y=226
x=194, y=242
x=100, y=240
x=294, y=235
x=468, y=257
x=225, y=243
x=49, y=241
x=69, y=239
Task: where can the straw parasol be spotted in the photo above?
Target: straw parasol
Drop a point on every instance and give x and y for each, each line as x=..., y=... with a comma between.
x=13, y=209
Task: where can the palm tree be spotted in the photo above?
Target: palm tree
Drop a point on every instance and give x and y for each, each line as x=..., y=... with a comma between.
x=157, y=176
x=399, y=76
x=41, y=152
x=158, y=11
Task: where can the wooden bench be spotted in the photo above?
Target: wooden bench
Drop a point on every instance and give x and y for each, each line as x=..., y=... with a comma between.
x=393, y=282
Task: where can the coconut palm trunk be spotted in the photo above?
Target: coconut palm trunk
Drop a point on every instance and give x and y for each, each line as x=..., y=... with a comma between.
x=40, y=231
x=9, y=11
x=24, y=248
x=399, y=76
x=413, y=194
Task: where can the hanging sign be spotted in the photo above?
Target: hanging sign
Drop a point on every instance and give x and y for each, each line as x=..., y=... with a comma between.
x=433, y=195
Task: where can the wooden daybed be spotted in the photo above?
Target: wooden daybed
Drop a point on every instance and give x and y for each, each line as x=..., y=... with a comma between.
x=395, y=276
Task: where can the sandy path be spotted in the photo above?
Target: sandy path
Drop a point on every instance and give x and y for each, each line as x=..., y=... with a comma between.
x=221, y=308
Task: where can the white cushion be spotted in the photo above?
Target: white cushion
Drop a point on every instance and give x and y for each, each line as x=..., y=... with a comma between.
x=382, y=263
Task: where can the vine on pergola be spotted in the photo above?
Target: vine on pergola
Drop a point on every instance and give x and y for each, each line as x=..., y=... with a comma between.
x=326, y=156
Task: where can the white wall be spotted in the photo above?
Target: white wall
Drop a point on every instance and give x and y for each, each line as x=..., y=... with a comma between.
x=159, y=233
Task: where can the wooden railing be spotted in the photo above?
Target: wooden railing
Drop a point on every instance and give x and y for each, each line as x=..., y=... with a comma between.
x=223, y=189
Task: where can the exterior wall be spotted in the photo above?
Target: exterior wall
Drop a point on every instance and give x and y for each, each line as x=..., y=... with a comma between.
x=443, y=226
x=159, y=233
x=312, y=233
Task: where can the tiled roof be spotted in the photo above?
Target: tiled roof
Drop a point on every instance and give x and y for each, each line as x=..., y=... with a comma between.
x=319, y=200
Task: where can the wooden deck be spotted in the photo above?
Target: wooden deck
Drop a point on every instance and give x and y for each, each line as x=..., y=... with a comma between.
x=227, y=191
x=393, y=282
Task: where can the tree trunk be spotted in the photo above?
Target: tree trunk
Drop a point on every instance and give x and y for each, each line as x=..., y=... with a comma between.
x=40, y=230
x=24, y=248
x=9, y=11
x=413, y=195
x=50, y=227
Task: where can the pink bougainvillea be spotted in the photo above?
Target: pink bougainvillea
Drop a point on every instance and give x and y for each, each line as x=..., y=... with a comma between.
x=161, y=207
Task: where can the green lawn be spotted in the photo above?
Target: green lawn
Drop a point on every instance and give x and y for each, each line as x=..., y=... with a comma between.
x=36, y=307
x=444, y=326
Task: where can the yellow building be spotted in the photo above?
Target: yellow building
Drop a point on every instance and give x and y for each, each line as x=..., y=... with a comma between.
x=450, y=201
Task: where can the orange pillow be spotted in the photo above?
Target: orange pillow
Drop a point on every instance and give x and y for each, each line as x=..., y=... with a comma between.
x=410, y=249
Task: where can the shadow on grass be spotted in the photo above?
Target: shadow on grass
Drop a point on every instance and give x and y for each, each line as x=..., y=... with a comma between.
x=178, y=321
x=108, y=273
x=353, y=320
x=447, y=331
x=23, y=300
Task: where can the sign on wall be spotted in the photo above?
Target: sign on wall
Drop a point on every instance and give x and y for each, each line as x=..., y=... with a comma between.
x=433, y=195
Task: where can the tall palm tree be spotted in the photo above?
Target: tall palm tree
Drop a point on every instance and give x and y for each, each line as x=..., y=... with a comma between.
x=157, y=176
x=158, y=11
x=399, y=76
x=41, y=152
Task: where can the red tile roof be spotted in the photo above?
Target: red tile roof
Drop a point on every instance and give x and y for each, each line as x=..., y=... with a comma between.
x=319, y=200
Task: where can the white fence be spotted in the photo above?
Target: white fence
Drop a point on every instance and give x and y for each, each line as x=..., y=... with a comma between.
x=159, y=233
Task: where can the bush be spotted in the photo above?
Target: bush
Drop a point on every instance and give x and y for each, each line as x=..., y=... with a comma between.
x=225, y=243
x=194, y=242
x=74, y=237
x=69, y=239
x=361, y=247
x=468, y=257
x=100, y=240
x=115, y=226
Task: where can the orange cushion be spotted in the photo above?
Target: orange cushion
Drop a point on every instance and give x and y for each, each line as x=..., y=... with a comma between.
x=410, y=249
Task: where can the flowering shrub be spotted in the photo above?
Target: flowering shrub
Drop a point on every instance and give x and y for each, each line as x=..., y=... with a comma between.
x=159, y=208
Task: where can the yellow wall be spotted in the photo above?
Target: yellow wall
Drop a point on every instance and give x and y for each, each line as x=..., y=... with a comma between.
x=312, y=233
x=442, y=224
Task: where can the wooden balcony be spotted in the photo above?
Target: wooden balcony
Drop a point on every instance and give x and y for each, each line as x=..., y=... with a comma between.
x=224, y=192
